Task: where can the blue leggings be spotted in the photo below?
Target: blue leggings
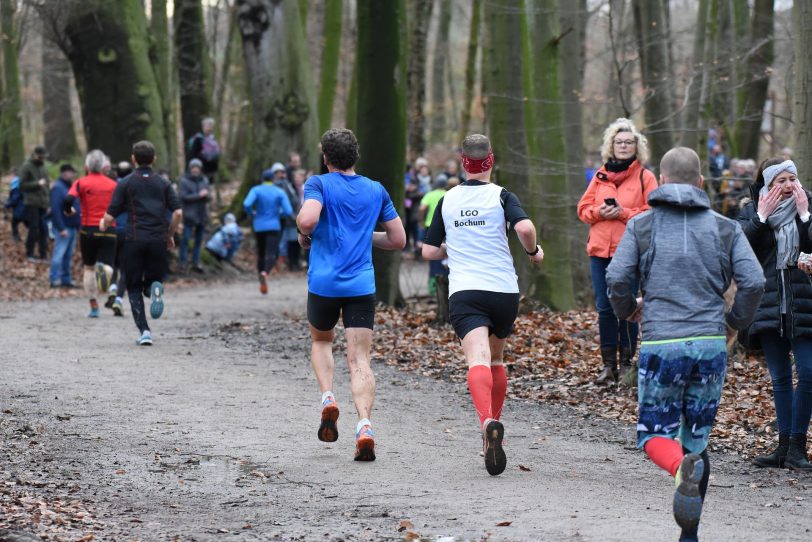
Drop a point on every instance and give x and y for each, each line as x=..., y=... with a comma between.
x=793, y=408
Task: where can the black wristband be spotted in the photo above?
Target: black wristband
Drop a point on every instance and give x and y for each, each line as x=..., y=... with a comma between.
x=538, y=248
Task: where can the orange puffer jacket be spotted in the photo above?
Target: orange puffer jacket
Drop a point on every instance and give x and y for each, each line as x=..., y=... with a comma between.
x=630, y=188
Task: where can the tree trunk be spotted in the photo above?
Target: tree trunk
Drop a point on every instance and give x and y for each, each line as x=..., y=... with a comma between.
x=438, y=77
x=159, y=28
x=225, y=69
x=503, y=54
x=194, y=69
x=117, y=87
x=419, y=19
x=60, y=133
x=329, y=62
x=693, y=99
x=754, y=91
x=381, y=109
x=548, y=204
x=11, y=120
x=653, y=50
x=802, y=107
x=470, y=68
x=281, y=85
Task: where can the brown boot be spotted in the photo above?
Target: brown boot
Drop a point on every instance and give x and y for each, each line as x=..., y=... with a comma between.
x=609, y=373
x=627, y=377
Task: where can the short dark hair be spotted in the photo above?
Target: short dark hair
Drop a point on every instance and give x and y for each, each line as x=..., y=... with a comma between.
x=144, y=153
x=476, y=146
x=340, y=148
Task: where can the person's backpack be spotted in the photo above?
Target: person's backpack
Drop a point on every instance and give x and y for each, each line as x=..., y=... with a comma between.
x=210, y=149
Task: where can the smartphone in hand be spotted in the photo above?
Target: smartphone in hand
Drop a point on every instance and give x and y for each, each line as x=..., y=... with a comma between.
x=612, y=202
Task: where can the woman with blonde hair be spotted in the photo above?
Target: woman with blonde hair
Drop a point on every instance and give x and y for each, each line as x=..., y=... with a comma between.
x=618, y=191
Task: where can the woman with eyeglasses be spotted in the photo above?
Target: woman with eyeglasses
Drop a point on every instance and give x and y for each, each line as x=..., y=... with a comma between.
x=618, y=191
x=778, y=225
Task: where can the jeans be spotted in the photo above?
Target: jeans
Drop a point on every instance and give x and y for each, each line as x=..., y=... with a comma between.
x=612, y=330
x=62, y=257
x=184, y=243
x=792, y=408
x=37, y=232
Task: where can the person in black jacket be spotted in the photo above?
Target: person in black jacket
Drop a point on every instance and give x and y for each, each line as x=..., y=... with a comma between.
x=777, y=224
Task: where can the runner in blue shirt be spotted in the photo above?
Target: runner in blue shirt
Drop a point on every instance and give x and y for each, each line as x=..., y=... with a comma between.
x=266, y=204
x=337, y=223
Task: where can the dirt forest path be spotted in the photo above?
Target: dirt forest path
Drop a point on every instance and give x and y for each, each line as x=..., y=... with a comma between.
x=211, y=435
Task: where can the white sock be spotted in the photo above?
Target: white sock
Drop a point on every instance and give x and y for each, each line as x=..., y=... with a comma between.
x=327, y=394
x=361, y=425
x=113, y=289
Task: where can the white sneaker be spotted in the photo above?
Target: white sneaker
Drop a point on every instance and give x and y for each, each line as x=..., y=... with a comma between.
x=145, y=339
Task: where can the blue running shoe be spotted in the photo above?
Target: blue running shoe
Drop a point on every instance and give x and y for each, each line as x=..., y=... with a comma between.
x=94, y=309
x=687, y=498
x=145, y=339
x=156, y=297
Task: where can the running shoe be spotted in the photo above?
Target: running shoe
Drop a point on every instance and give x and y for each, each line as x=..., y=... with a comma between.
x=328, y=430
x=110, y=300
x=263, y=282
x=94, y=309
x=365, y=444
x=145, y=339
x=156, y=299
x=102, y=280
x=687, y=498
x=117, y=307
x=492, y=436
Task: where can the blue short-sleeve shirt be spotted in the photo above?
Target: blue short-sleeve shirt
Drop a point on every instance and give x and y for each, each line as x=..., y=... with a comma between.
x=341, y=248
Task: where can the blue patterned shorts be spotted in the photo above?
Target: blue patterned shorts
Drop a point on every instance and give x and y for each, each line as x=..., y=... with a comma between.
x=679, y=389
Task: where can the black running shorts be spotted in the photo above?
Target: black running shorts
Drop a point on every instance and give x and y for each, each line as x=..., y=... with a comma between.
x=323, y=312
x=470, y=309
x=97, y=246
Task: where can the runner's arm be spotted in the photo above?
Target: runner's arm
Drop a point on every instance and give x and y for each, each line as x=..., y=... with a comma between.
x=393, y=236
x=749, y=277
x=177, y=216
x=308, y=217
x=116, y=206
x=433, y=245
x=622, y=273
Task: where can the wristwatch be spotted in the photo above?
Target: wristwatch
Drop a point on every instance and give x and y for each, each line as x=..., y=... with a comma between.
x=538, y=249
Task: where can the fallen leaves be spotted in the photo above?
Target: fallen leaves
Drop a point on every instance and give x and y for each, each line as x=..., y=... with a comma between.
x=554, y=358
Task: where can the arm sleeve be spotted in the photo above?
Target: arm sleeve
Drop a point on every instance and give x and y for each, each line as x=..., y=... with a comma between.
x=172, y=200
x=286, y=206
x=622, y=273
x=749, y=277
x=436, y=232
x=513, y=208
x=752, y=226
x=116, y=206
x=649, y=186
x=27, y=180
x=73, y=193
x=587, y=208
x=388, y=211
x=248, y=202
x=188, y=194
x=313, y=189
x=56, y=211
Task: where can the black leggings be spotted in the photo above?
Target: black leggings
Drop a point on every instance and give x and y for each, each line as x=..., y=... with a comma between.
x=37, y=231
x=144, y=263
x=267, y=249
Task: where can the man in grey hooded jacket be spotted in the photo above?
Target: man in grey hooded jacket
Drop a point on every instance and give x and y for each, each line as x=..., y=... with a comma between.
x=684, y=256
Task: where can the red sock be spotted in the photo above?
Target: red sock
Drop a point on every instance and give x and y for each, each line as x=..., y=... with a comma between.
x=499, y=390
x=666, y=453
x=480, y=382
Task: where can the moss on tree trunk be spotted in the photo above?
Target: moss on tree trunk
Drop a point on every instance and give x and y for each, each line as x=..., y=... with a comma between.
x=194, y=68
x=11, y=121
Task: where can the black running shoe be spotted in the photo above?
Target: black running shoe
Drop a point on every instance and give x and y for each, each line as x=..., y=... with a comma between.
x=687, y=498
x=495, y=460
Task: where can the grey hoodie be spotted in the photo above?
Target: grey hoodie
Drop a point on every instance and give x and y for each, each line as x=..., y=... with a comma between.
x=684, y=273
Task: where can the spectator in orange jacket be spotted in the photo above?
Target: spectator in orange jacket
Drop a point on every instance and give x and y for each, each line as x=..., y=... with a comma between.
x=618, y=191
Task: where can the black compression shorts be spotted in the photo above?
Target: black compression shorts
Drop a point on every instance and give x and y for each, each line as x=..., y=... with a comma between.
x=323, y=312
x=97, y=246
x=470, y=309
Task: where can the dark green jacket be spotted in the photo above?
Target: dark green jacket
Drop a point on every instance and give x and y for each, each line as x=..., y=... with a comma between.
x=34, y=194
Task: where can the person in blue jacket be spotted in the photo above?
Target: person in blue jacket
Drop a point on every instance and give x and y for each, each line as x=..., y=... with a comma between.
x=65, y=228
x=266, y=204
x=15, y=203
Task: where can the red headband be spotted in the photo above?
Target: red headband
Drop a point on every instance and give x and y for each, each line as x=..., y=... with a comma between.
x=477, y=165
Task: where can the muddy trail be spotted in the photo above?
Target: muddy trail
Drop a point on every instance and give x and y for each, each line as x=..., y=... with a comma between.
x=211, y=435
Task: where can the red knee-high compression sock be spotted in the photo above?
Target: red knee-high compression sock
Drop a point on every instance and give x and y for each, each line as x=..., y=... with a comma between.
x=480, y=382
x=666, y=453
x=498, y=390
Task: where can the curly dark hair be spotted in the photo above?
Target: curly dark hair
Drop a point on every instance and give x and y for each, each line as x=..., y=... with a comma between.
x=340, y=148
